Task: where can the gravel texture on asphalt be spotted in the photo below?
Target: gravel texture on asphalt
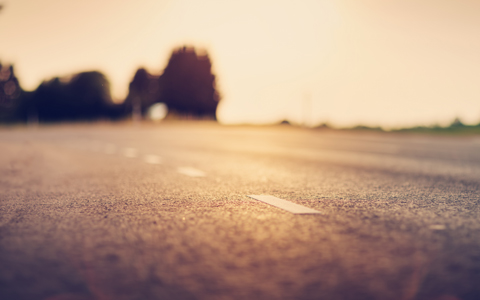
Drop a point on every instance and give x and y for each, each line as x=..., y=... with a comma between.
x=81, y=220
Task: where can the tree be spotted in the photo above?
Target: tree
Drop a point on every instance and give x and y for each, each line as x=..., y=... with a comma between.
x=85, y=96
x=142, y=92
x=187, y=85
x=10, y=94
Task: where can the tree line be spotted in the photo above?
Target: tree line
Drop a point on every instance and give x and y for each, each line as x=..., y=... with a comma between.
x=187, y=86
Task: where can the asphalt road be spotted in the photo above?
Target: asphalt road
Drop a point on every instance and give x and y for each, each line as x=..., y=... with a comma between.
x=102, y=211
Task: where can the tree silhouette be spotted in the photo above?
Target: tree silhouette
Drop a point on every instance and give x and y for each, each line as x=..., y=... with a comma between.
x=10, y=94
x=86, y=96
x=142, y=92
x=187, y=85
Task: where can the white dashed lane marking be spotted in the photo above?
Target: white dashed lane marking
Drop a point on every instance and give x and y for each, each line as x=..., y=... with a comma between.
x=285, y=205
x=192, y=172
x=152, y=159
x=130, y=152
x=148, y=158
x=437, y=227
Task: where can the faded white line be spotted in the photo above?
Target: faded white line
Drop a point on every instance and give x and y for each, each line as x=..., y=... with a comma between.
x=285, y=205
x=192, y=172
x=130, y=152
x=437, y=227
x=152, y=159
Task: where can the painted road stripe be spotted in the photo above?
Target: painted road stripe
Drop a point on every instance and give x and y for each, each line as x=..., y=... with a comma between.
x=152, y=159
x=284, y=204
x=130, y=152
x=192, y=172
x=437, y=227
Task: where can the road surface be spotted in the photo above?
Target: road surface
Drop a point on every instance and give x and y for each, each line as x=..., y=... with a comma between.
x=161, y=211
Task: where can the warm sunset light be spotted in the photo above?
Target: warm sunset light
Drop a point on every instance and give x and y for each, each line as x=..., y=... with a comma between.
x=388, y=63
x=240, y=149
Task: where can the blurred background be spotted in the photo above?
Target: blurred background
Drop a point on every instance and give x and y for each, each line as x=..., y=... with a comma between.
x=373, y=63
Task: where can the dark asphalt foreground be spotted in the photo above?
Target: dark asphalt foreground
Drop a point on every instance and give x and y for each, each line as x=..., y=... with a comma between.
x=401, y=214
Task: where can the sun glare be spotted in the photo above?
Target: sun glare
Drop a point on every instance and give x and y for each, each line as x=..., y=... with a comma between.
x=381, y=63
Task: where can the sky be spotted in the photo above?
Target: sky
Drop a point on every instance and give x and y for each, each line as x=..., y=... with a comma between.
x=389, y=63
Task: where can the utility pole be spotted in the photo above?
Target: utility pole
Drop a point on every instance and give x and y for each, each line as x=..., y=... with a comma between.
x=307, y=109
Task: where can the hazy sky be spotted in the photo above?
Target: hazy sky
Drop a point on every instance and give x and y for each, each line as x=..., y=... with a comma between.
x=375, y=62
